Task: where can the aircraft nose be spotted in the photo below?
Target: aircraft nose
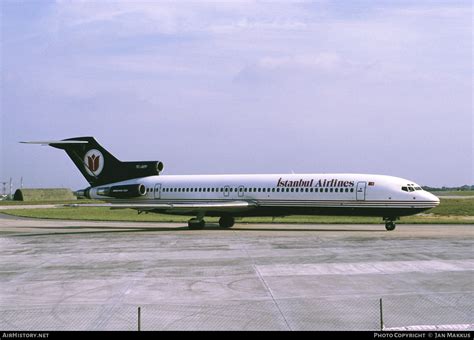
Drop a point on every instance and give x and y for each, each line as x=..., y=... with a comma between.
x=432, y=198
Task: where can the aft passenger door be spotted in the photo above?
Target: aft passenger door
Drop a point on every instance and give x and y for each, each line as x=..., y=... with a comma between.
x=360, y=191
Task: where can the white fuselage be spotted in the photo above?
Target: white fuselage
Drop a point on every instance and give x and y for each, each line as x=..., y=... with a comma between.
x=274, y=195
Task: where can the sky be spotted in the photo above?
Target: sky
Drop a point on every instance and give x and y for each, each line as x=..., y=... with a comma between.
x=381, y=87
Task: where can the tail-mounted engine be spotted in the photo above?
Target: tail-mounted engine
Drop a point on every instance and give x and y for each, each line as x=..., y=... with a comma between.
x=122, y=191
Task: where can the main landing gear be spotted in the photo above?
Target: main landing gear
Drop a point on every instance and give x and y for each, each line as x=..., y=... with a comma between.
x=198, y=223
x=390, y=223
x=226, y=222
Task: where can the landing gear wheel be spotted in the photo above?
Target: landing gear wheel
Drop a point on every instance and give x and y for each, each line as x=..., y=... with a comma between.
x=196, y=225
x=226, y=222
x=390, y=225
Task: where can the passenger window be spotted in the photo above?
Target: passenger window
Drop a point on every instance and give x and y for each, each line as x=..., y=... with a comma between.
x=326, y=190
x=352, y=189
x=311, y=189
x=263, y=190
x=330, y=190
x=273, y=189
x=292, y=189
x=336, y=190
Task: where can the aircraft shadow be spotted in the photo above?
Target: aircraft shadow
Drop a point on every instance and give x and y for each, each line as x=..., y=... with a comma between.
x=84, y=230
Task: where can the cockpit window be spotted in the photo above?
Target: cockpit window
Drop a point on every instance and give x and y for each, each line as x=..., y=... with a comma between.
x=411, y=187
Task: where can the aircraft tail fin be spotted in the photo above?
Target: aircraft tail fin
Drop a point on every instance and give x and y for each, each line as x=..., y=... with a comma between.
x=98, y=165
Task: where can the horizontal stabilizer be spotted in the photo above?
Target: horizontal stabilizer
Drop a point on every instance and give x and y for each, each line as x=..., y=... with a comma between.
x=49, y=142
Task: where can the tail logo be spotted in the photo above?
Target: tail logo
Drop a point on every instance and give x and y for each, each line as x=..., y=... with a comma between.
x=94, y=162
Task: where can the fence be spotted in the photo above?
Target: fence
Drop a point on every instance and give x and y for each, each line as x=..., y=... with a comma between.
x=429, y=312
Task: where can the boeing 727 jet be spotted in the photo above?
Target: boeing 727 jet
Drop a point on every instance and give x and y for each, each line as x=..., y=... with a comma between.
x=139, y=186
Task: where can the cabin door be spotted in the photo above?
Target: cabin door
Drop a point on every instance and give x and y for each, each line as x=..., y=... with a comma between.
x=360, y=191
x=157, y=191
x=226, y=191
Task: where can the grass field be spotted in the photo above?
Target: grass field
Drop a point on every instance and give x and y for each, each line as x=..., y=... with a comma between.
x=81, y=201
x=449, y=211
x=454, y=193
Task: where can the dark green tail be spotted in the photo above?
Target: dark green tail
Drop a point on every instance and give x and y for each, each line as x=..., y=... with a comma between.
x=99, y=166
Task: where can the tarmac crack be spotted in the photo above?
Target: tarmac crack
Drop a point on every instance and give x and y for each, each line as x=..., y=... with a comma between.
x=264, y=283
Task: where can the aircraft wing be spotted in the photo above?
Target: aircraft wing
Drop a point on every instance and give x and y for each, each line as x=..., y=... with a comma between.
x=178, y=207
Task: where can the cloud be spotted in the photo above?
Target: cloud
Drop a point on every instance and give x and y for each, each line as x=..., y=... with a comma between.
x=248, y=80
x=321, y=61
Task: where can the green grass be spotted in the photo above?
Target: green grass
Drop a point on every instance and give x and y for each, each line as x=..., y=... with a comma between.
x=454, y=193
x=81, y=201
x=449, y=211
x=455, y=206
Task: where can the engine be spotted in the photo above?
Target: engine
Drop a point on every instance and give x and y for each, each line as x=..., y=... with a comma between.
x=122, y=191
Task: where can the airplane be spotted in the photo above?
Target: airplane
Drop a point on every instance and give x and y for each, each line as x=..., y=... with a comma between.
x=140, y=186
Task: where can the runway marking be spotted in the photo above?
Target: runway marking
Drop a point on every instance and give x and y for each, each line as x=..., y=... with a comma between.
x=356, y=268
